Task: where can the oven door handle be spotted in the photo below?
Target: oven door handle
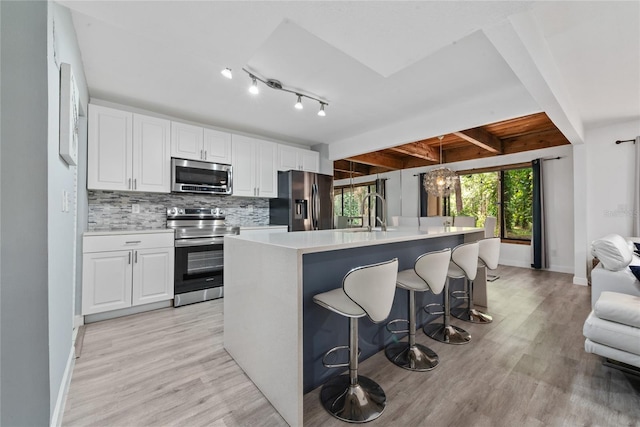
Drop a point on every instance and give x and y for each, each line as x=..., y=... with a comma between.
x=183, y=243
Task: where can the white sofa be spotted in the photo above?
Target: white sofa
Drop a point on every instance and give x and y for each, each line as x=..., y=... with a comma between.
x=610, y=274
x=612, y=329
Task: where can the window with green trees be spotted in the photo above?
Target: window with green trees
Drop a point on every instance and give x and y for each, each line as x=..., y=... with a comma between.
x=347, y=201
x=505, y=194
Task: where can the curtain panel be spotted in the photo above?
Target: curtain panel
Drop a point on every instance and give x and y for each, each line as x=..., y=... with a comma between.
x=539, y=251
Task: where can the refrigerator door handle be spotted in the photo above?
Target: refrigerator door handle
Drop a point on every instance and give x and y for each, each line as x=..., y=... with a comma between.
x=316, y=206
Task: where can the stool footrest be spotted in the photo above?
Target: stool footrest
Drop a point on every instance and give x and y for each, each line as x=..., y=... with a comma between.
x=427, y=309
x=396, y=331
x=455, y=294
x=337, y=365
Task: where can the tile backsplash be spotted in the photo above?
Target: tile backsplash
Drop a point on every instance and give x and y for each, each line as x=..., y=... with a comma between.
x=112, y=209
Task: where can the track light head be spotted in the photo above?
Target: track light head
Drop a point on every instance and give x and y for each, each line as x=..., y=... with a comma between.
x=253, y=89
x=227, y=73
x=321, y=113
x=298, y=105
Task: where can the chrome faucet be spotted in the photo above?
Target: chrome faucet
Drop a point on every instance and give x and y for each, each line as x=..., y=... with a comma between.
x=383, y=222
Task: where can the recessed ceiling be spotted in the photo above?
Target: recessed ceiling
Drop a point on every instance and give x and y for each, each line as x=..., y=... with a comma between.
x=400, y=66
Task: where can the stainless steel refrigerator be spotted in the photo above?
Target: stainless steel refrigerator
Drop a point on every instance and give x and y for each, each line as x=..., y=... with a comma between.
x=304, y=203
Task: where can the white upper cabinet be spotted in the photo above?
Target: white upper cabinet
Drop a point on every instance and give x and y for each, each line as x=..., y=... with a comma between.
x=217, y=146
x=197, y=143
x=128, y=152
x=151, y=154
x=292, y=158
x=186, y=141
x=254, y=167
x=110, y=148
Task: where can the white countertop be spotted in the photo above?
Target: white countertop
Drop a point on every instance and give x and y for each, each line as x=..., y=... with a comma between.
x=328, y=240
x=113, y=232
x=260, y=227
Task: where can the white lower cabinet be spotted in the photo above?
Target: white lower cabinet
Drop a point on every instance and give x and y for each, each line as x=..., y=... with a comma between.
x=125, y=270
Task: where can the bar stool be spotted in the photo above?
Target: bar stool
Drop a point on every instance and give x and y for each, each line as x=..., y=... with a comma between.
x=488, y=254
x=428, y=273
x=463, y=265
x=366, y=291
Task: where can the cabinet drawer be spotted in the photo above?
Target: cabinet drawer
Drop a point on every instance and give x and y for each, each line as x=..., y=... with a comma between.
x=118, y=242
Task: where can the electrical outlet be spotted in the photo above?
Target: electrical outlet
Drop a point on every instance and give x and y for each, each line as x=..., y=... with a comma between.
x=250, y=208
x=135, y=208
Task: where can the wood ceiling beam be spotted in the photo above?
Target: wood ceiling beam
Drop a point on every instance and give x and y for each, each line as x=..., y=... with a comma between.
x=378, y=159
x=482, y=139
x=534, y=141
x=418, y=149
x=348, y=167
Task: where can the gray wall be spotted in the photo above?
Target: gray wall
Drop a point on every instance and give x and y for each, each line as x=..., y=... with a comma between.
x=24, y=359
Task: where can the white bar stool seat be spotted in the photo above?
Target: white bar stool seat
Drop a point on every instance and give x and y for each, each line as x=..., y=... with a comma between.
x=366, y=291
x=486, y=250
x=464, y=265
x=429, y=273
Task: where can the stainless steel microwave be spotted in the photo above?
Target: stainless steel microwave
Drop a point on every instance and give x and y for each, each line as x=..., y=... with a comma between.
x=191, y=176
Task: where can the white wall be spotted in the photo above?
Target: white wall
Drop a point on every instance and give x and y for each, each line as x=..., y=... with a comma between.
x=610, y=179
x=403, y=200
x=63, y=47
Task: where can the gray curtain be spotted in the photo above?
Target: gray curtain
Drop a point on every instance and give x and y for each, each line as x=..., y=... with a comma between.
x=539, y=251
x=636, y=193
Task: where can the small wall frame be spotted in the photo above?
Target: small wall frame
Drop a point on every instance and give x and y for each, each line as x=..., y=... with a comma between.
x=69, y=114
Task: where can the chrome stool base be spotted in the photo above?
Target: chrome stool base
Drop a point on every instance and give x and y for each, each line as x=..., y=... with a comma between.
x=471, y=315
x=416, y=358
x=447, y=334
x=359, y=403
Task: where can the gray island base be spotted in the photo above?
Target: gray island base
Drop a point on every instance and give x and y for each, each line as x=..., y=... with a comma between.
x=274, y=330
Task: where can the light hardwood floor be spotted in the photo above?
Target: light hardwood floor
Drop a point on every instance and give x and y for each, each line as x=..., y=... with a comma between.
x=527, y=368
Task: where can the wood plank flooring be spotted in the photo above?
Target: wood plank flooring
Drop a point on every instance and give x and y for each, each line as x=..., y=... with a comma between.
x=527, y=368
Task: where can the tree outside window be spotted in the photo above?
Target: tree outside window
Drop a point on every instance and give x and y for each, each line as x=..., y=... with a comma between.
x=506, y=194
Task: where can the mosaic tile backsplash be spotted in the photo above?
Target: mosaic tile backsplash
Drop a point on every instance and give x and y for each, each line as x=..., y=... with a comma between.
x=109, y=210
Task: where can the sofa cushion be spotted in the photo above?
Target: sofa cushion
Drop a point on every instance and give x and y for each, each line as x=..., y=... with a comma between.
x=617, y=307
x=613, y=252
x=612, y=334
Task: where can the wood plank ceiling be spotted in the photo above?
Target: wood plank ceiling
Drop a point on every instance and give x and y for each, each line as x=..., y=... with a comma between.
x=510, y=136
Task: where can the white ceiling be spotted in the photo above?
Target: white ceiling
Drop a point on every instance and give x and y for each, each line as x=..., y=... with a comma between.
x=389, y=70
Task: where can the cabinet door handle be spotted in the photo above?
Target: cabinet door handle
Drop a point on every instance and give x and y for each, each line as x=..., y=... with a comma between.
x=205, y=154
x=129, y=186
x=135, y=184
x=202, y=158
x=129, y=257
x=135, y=257
x=131, y=242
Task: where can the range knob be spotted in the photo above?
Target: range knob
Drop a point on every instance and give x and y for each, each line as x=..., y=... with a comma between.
x=172, y=211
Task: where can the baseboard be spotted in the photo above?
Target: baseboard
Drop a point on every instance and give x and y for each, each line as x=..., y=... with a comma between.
x=582, y=281
x=78, y=320
x=514, y=263
x=561, y=269
x=58, y=412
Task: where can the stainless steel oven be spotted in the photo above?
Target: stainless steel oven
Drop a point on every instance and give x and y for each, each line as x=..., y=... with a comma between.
x=199, y=253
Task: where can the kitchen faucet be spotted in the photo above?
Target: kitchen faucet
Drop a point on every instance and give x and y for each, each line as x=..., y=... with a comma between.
x=383, y=223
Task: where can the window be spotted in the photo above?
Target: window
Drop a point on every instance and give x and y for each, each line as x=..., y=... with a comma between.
x=506, y=194
x=347, y=202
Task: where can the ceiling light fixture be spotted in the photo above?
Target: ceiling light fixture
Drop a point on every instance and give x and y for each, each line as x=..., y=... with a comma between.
x=275, y=84
x=440, y=182
x=253, y=89
x=227, y=73
x=321, y=113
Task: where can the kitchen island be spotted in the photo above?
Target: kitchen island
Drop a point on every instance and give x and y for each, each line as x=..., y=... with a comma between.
x=272, y=328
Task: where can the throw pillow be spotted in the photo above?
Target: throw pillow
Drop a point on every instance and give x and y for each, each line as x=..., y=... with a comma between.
x=613, y=252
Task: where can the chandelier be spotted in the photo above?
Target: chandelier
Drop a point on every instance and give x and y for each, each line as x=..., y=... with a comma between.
x=440, y=182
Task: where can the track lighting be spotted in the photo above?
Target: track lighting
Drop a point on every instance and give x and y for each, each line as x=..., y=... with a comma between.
x=227, y=73
x=254, y=86
x=275, y=84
